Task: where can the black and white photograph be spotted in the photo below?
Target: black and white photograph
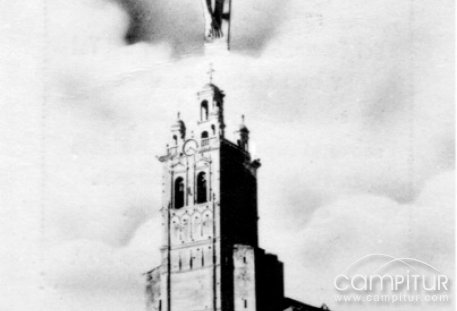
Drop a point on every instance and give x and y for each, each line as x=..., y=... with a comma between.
x=227, y=155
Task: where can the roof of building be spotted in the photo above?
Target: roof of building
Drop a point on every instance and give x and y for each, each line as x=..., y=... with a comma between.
x=295, y=305
x=212, y=87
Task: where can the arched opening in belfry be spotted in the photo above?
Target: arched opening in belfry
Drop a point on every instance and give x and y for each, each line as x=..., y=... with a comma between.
x=204, y=136
x=179, y=192
x=204, y=110
x=202, y=188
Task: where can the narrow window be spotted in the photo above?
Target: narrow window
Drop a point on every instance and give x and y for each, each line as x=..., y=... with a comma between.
x=205, y=140
x=201, y=188
x=179, y=192
x=244, y=259
x=204, y=110
x=245, y=303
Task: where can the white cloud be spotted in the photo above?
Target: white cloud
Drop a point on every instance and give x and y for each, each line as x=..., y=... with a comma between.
x=87, y=274
x=346, y=101
x=355, y=226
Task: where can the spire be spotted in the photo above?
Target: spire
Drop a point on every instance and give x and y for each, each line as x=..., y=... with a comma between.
x=210, y=73
x=211, y=102
x=243, y=135
x=243, y=127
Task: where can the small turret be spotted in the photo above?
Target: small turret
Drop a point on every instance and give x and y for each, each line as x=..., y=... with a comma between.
x=178, y=130
x=243, y=135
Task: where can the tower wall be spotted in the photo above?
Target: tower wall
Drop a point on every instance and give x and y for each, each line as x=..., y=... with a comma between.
x=270, y=280
x=244, y=272
x=192, y=290
x=191, y=245
x=238, y=197
x=153, y=290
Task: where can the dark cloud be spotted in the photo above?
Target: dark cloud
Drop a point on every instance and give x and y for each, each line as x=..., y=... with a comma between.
x=139, y=13
x=181, y=23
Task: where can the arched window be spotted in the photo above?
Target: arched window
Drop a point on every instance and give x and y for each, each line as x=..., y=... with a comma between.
x=204, y=135
x=204, y=110
x=201, y=188
x=179, y=192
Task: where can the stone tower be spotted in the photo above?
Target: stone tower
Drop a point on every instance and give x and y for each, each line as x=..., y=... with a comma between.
x=211, y=259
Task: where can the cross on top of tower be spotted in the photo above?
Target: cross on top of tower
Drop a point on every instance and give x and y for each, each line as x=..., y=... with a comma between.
x=211, y=72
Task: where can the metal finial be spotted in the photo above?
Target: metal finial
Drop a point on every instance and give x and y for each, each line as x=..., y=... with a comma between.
x=211, y=72
x=242, y=118
x=179, y=115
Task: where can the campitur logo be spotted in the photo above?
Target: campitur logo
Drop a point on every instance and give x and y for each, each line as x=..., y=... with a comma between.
x=384, y=279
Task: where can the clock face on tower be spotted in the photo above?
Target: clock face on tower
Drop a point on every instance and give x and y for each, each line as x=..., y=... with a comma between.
x=190, y=147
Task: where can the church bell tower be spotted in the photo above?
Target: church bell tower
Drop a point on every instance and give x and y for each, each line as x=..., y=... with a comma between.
x=210, y=254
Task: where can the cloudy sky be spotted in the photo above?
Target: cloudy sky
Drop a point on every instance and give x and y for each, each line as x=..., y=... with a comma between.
x=350, y=105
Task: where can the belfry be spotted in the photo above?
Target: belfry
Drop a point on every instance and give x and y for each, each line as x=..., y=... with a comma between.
x=211, y=259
